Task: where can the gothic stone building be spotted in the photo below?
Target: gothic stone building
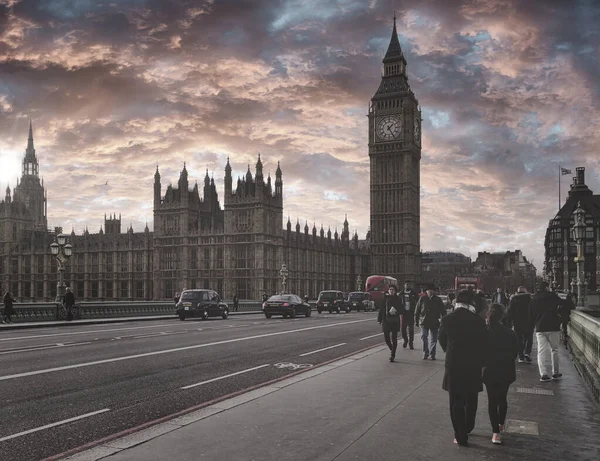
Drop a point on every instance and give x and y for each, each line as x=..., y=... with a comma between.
x=237, y=248
x=560, y=245
x=395, y=155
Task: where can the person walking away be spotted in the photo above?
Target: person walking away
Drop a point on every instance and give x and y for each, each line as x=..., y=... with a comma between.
x=566, y=307
x=236, y=303
x=390, y=319
x=9, y=310
x=545, y=309
x=450, y=305
x=176, y=298
x=264, y=297
x=519, y=317
x=500, y=297
x=69, y=302
x=462, y=336
x=430, y=309
x=409, y=301
x=501, y=350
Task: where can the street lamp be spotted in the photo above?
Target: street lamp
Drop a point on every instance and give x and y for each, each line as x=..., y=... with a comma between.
x=554, y=271
x=62, y=251
x=283, y=273
x=578, y=235
x=358, y=283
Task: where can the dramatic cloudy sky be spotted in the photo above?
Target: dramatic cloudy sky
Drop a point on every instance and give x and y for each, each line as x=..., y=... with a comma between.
x=509, y=90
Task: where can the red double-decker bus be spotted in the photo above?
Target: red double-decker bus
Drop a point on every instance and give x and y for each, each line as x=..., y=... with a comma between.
x=377, y=285
x=463, y=282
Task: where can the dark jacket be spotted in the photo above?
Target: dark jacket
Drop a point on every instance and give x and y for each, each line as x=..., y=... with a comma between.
x=500, y=298
x=388, y=321
x=545, y=309
x=8, y=304
x=431, y=310
x=412, y=298
x=69, y=299
x=500, y=353
x=463, y=337
x=519, y=312
x=565, y=310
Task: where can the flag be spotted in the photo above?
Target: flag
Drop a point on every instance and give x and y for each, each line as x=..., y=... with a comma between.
x=565, y=171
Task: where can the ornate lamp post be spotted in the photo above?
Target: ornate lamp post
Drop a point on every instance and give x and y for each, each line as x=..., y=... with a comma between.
x=62, y=251
x=283, y=273
x=358, y=283
x=578, y=235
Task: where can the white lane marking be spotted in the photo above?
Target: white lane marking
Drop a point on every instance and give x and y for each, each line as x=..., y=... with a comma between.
x=41, y=348
x=83, y=332
x=162, y=333
x=47, y=426
x=321, y=350
x=223, y=377
x=178, y=349
x=367, y=337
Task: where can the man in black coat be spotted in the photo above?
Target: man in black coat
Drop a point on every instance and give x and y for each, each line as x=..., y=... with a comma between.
x=519, y=316
x=463, y=337
x=430, y=309
x=69, y=302
x=409, y=300
x=545, y=309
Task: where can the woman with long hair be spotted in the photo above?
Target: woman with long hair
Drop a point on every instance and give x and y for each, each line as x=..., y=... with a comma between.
x=499, y=368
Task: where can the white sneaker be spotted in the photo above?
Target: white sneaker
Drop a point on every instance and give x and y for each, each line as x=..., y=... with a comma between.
x=497, y=439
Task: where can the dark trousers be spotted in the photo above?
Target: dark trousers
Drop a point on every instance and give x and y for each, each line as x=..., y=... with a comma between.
x=408, y=323
x=497, y=404
x=525, y=339
x=463, y=408
x=391, y=338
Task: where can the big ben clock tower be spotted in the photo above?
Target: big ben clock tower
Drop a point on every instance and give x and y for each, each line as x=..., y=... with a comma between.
x=395, y=156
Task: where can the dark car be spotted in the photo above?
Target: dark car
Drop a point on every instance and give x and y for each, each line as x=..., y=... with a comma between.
x=359, y=300
x=286, y=305
x=201, y=303
x=332, y=300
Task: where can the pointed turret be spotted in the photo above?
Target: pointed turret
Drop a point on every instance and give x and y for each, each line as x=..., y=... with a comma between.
x=314, y=229
x=297, y=225
x=248, y=175
x=228, y=179
x=329, y=233
x=259, y=171
x=394, y=51
x=306, y=227
x=278, y=181
x=289, y=225
x=157, y=188
x=7, y=198
x=322, y=232
x=30, y=162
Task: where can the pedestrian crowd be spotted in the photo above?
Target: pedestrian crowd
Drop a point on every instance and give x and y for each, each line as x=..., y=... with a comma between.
x=481, y=342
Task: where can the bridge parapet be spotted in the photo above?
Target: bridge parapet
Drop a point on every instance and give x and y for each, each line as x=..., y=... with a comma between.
x=584, y=341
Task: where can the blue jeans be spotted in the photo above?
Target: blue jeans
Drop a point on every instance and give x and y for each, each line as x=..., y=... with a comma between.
x=429, y=345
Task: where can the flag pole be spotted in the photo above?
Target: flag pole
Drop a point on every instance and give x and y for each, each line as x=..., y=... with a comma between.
x=559, y=175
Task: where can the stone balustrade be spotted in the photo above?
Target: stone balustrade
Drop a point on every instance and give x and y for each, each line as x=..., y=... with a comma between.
x=584, y=341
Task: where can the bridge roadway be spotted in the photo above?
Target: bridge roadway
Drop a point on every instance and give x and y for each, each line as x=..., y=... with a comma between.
x=64, y=387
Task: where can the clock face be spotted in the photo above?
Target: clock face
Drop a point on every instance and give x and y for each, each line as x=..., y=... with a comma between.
x=417, y=129
x=388, y=128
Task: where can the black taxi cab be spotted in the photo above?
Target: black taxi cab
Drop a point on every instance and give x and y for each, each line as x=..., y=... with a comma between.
x=201, y=303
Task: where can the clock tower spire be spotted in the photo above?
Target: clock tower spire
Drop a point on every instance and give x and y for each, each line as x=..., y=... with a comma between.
x=395, y=155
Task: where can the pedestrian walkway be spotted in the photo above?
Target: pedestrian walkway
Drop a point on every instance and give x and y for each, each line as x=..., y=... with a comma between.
x=365, y=408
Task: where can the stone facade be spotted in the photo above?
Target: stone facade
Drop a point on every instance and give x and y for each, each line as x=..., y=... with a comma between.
x=395, y=156
x=560, y=245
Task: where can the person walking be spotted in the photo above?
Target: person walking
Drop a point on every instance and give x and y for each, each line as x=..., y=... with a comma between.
x=264, y=297
x=409, y=302
x=236, y=303
x=9, y=310
x=462, y=336
x=69, y=302
x=501, y=350
x=500, y=297
x=566, y=307
x=430, y=309
x=519, y=316
x=390, y=318
x=545, y=309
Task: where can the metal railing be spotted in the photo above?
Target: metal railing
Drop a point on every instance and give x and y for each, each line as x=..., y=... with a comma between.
x=39, y=312
x=584, y=341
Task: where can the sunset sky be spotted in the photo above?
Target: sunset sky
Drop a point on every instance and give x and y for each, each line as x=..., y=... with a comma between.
x=509, y=91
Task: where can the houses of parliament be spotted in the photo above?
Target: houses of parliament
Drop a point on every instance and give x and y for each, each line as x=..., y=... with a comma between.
x=239, y=247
